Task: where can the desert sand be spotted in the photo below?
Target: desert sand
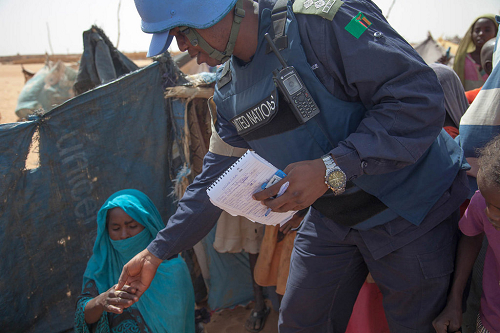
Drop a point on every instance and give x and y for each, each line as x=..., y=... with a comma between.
x=232, y=321
x=11, y=83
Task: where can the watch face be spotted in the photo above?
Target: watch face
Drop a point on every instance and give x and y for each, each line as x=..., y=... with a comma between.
x=336, y=179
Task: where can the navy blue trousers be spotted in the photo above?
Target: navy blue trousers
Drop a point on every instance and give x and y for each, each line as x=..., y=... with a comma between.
x=326, y=275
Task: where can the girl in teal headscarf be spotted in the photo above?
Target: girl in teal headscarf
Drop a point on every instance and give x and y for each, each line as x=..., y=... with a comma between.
x=126, y=224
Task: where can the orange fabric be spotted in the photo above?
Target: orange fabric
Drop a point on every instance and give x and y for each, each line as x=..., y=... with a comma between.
x=451, y=130
x=368, y=314
x=273, y=262
x=471, y=94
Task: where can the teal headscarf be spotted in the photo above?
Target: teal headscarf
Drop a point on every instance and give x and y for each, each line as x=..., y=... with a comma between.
x=168, y=304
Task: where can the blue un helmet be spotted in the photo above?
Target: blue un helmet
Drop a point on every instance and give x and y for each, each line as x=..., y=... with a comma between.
x=159, y=16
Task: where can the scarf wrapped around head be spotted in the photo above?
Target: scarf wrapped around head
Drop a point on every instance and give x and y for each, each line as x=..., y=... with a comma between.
x=168, y=304
x=467, y=46
x=455, y=102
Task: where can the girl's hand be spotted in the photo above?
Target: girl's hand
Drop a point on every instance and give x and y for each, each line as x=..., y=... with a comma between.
x=116, y=300
x=110, y=301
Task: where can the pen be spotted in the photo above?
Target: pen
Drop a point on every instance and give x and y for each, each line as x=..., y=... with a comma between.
x=280, y=192
x=279, y=175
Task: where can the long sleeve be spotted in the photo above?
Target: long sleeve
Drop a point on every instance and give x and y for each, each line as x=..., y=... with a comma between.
x=195, y=215
x=402, y=95
x=102, y=325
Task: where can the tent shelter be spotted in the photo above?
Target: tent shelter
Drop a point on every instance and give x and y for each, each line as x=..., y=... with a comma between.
x=430, y=50
x=123, y=134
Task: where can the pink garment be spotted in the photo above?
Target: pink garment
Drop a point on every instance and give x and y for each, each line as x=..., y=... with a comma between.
x=475, y=222
x=473, y=78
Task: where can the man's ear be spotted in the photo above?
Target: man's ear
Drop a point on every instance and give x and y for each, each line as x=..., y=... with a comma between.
x=488, y=66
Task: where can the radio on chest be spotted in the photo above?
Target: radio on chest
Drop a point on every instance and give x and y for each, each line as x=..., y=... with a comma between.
x=293, y=89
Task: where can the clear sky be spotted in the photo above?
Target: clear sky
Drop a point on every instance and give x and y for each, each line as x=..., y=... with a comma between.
x=24, y=22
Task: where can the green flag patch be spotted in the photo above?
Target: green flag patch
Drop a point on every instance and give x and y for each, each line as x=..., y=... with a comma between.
x=358, y=25
x=324, y=8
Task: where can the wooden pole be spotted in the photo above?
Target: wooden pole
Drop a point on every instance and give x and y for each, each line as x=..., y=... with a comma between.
x=118, y=14
x=50, y=43
x=390, y=8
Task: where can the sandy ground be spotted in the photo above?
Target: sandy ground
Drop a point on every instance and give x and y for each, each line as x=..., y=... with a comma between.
x=233, y=321
x=11, y=83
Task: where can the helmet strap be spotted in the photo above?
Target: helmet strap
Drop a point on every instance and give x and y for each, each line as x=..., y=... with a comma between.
x=195, y=39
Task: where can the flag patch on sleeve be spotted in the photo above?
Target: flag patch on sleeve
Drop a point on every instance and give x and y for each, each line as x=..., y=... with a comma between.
x=358, y=25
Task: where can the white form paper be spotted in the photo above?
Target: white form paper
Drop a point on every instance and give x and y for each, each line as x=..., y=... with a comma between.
x=233, y=190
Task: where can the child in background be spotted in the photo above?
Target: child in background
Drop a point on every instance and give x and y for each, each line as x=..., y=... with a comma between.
x=486, y=63
x=467, y=63
x=481, y=218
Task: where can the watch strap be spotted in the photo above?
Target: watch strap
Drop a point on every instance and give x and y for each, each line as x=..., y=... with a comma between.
x=329, y=161
x=331, y=166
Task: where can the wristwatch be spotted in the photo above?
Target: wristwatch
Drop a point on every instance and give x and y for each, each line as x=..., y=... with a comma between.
x=335, y=178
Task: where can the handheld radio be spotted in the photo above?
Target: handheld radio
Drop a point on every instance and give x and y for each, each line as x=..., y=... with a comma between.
x=293, y=89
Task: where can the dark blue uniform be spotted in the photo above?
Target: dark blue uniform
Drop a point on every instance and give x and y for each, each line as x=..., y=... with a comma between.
x=411, y=262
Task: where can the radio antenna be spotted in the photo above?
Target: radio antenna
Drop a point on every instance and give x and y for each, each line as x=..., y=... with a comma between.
x=275, y=50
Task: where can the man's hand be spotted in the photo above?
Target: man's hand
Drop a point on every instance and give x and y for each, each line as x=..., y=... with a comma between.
x=139, y=272
x=450, y=319
x=307, y=183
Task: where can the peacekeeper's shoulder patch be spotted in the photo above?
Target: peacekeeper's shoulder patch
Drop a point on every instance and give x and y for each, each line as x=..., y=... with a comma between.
x=257, y=116
x=358, y=25
x=324, y=8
